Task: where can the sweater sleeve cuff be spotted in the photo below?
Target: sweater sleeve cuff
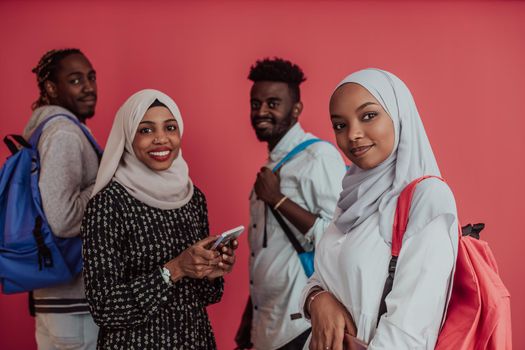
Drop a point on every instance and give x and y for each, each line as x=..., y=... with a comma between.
x=151, y=291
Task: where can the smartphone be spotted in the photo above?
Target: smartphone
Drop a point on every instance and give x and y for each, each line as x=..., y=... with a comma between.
x=227, y=236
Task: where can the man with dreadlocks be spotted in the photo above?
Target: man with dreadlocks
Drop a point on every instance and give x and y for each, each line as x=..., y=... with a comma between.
x=69, y=164
x=303, y=192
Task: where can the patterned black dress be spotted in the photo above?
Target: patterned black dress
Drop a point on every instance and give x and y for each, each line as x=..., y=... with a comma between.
x=124, y=244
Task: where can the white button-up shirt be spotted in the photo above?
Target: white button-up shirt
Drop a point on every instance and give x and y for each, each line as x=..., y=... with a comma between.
x=312, y=179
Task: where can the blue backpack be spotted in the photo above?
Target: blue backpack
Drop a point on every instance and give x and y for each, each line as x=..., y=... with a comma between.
x=31, y=256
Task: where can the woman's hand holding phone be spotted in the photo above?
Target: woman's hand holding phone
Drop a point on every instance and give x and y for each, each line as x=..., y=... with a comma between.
x=227, y=257
x=197, y=261
x=209, y=258
x=226, y=244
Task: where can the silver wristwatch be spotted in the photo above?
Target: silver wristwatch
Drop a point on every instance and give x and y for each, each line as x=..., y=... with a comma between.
x=166, y=275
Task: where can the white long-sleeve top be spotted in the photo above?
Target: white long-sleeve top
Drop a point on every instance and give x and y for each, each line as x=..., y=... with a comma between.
x=312, y=180
x=354, y=268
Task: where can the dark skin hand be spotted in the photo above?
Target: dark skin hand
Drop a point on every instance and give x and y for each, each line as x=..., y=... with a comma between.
x=198, y=261
x=268, y=189
x=225, y=266
x=332, y=324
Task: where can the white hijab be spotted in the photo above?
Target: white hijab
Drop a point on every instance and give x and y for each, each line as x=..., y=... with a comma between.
x=368, y=191
x=168, y=189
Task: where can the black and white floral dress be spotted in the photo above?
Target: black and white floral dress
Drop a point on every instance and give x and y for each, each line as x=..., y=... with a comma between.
x=124, y=243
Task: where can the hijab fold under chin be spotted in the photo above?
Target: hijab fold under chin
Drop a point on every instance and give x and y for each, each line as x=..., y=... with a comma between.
x=376, y=190
x=167, y=189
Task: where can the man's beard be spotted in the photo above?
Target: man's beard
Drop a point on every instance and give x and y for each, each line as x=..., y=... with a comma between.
x=279, y=129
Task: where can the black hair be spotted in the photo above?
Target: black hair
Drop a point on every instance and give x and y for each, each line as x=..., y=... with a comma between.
x=157, y=103
x=46, y=69
x=278, y=69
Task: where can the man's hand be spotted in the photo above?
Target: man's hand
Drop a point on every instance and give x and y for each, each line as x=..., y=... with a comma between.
x=268, y=187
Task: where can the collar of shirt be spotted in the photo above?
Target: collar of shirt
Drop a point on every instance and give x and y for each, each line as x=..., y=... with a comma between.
x=292, y=138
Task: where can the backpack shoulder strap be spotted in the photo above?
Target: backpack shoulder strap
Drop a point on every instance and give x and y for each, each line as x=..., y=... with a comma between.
x=297, y=149
x=399, y=228
x=35, y=136
x=11, y=144
x=404, y=202
x=291, y=237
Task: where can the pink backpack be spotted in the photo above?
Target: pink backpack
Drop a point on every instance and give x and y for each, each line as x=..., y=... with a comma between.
x=478, y=314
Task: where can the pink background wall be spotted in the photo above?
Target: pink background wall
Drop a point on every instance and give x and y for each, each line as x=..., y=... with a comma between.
x=464, y=62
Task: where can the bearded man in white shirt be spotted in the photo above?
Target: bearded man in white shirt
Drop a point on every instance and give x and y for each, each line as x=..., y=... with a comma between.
x=304, y=192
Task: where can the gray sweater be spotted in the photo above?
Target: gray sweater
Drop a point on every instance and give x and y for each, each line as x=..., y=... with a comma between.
x=69, y=166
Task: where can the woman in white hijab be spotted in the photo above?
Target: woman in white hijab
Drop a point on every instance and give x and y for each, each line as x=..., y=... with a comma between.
x=378, y=128
x=148, y=269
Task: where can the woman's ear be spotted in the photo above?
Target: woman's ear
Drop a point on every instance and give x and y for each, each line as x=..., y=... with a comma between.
x=297, y=108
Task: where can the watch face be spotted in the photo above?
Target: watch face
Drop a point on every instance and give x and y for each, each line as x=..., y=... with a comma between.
x=166, y=275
